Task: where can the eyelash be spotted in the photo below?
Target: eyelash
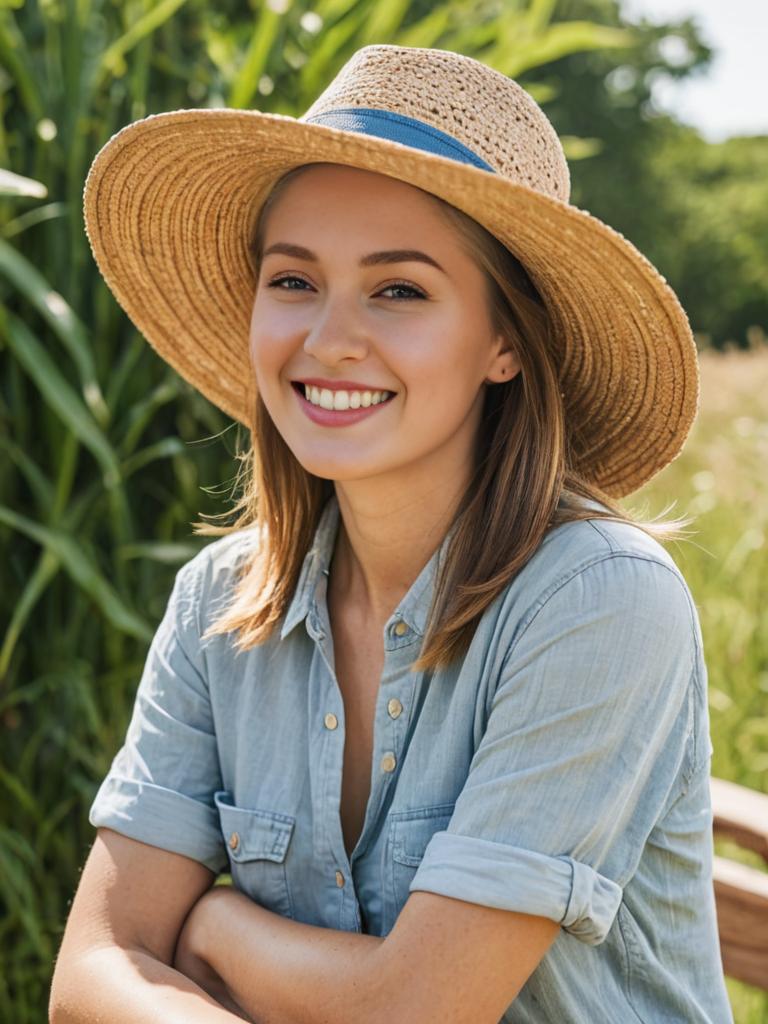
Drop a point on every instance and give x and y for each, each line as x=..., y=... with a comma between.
x=417, y=293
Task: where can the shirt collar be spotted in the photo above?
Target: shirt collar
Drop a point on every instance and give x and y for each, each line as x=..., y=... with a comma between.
x=414, y=607
x=316, y=563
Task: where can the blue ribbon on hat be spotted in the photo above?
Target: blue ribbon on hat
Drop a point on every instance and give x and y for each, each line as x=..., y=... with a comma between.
x=398, y=128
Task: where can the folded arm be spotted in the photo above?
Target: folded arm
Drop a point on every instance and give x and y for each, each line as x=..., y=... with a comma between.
x=116, y=956
x=446, y=961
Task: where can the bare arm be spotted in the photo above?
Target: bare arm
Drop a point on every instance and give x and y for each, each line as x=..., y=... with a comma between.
x=281, y=971
x=446, y=961
x=115, y=962
x=128, y=985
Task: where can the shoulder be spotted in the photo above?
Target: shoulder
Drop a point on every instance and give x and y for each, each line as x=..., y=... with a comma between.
x=599, y=568
x=207, y=581
x=591, y=540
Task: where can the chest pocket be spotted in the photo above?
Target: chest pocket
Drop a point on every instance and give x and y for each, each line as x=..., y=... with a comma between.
x=257, y=844
x=409, y=834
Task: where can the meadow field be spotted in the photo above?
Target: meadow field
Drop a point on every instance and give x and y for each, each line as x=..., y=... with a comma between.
x=721, y=479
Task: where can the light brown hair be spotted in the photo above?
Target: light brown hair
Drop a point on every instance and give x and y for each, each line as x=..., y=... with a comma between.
x=525, y=480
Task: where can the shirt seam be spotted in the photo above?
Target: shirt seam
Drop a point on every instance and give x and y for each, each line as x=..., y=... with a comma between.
x=606, y=536
x=629, y=966
x=192, y=580
x=694, y=762
x=538, y=606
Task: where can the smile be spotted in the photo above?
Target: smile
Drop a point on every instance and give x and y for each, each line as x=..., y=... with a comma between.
x=327, y=399
x=339, y=408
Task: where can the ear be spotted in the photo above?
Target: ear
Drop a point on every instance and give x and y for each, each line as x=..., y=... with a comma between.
x=505, y=364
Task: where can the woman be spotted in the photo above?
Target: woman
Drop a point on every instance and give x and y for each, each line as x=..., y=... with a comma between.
x=434, y=701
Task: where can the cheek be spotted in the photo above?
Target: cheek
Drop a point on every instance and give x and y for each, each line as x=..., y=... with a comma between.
x=268, y=350
x=276, y=334
x=446, y=368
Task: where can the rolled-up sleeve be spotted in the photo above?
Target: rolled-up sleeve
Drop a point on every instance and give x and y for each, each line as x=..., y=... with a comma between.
x=584, y=744
x=159, y=788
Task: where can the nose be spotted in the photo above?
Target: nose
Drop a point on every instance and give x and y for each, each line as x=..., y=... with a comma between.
x=337, y=334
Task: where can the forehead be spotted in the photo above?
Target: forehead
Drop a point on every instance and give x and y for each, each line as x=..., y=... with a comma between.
x=327, y=192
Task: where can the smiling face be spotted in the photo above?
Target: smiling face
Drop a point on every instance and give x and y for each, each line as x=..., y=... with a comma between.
x=333, y=312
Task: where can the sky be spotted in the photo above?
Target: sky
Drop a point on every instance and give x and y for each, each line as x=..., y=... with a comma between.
x=731, y=98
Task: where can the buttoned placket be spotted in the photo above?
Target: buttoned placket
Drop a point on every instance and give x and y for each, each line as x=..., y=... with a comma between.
x=397, y=690
x=400, y=691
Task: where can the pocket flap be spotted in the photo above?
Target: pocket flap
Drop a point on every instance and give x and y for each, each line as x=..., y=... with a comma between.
x=253, y=834
x=412, y=831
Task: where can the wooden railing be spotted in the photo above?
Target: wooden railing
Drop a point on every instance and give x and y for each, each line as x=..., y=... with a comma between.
x=741, y=892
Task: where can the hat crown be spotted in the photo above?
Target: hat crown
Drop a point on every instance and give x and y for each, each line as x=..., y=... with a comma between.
x=484, y=110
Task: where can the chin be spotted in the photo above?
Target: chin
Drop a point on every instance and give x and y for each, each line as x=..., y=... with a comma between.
x=337, y=469
x=337, y=473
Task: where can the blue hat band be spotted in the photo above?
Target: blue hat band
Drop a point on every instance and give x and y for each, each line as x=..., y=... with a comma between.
x=397, y=128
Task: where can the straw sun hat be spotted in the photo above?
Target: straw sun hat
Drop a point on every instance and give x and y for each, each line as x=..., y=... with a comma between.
x=171, y=203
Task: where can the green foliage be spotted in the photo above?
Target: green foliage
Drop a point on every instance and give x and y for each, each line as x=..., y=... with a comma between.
x=107, y=454
x=714, y=244
x=697, y=211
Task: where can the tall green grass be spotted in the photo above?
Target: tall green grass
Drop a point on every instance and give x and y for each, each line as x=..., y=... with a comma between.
x=107, y=456
x=720, y=478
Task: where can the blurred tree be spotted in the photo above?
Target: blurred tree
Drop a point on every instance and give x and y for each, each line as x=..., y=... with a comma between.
x=715, y=245
x=696, y=210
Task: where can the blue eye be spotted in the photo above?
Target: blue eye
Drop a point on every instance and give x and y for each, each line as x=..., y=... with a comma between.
x=279, y=280
x=415, y=293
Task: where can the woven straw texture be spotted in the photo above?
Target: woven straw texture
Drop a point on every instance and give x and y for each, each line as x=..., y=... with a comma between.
x=171, y=202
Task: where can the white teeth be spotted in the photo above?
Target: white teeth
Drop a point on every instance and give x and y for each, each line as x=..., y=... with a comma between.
x=328, y=399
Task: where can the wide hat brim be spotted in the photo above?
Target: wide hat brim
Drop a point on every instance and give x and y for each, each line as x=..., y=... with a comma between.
x=171, y=203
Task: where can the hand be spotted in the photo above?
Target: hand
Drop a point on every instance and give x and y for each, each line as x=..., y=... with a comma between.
x=190, y=959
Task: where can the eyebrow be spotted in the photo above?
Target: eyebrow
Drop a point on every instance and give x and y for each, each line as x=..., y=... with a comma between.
x=372, y=259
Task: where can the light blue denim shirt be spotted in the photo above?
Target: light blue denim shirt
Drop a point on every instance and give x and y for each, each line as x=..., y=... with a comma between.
x=560, y=769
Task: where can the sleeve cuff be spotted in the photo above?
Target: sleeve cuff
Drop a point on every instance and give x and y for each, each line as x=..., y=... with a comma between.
x=160, y=817
x=571, y=893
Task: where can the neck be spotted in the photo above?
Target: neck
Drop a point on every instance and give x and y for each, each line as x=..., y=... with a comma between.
x=386, y=536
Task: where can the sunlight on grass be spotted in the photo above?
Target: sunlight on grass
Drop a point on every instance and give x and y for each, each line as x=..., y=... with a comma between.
x=721, y=478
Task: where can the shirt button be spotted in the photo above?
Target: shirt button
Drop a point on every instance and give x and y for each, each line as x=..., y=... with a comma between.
x=331, y=721
x=394, y=707
x=234, y=841
x=388, y=762
x=339, y=879
x=401, y=628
